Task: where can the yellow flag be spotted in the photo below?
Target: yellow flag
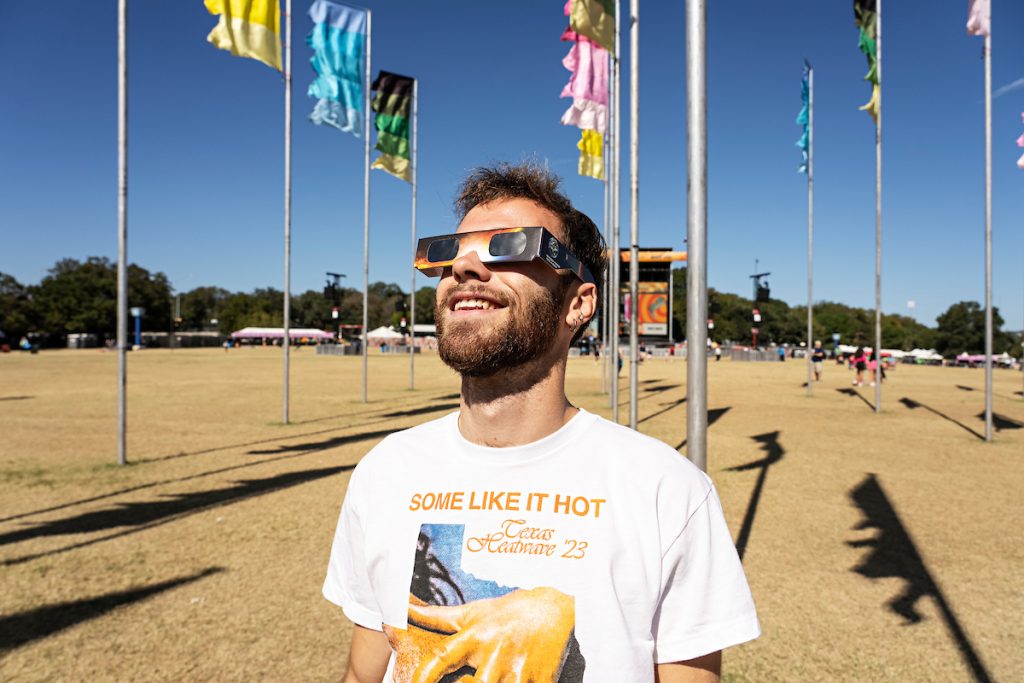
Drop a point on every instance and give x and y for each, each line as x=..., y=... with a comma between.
x=591, y=146
x=248, y=28
x=872, y=106
x=395, y=165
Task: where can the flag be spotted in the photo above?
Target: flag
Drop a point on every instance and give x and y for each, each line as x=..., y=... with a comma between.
x=248, y=28
x=393, y=104
x=338, y=40
x=593, y=19
x=591, y=146
x=588, y=85
x=866, y=16
x=1020, y=143
x=804, y=118
x=979, y=17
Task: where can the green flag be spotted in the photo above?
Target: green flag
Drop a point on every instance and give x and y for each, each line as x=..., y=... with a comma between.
x=393, y=105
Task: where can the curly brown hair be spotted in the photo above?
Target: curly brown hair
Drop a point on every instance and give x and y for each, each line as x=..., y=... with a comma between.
x=531, y=181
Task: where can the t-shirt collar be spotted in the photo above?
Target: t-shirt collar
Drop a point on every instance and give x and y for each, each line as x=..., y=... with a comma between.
x=525, y=453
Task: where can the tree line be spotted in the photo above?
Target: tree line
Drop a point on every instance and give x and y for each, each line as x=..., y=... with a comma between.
x=81, y=296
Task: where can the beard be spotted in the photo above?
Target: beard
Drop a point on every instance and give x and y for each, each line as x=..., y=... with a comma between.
x=526, y=332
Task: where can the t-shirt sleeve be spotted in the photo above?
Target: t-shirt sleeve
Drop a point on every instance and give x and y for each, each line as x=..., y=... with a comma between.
x=706, y=604
x=348, y=582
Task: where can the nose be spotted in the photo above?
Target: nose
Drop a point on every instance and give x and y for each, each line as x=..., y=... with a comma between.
x=470, y=267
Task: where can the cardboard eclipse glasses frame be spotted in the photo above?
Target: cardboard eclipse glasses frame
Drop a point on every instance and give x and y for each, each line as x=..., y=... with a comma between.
x=500, y=245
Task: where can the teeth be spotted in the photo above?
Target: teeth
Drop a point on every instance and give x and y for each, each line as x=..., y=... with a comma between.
x=473, y=304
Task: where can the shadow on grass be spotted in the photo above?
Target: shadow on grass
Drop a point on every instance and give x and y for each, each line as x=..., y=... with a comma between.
x=853, y=392
x=714, y=415
x=1001, y=422
x=134, y=517
x=670, y=404
x=648, y=391
x=285, y=453
x=446, y=397
x=962, y=387
x=333, y=442
x=913, y=405
x=23, y=628
x=893, y=554
x=15, y=398
x=423, y=410
x=773, y=454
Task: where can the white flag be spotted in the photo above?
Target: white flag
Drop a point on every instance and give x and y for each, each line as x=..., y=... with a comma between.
x=979, y=17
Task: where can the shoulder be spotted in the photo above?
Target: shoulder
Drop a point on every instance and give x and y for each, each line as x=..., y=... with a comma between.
x=639, y=456
x=400, y=445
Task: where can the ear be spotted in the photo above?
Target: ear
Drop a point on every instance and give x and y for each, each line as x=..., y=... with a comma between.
x=582, y=304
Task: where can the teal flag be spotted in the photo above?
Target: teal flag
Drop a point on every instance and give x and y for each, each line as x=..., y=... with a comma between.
x=804, y=118
x=338, y=40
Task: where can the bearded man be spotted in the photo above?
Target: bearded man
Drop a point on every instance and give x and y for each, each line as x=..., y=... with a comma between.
x=522, y=538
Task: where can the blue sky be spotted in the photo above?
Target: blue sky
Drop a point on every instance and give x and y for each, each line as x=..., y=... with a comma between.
x=206, y=150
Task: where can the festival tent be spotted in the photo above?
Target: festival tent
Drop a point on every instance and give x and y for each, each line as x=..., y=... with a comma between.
x=385, y=334
x=278, y=333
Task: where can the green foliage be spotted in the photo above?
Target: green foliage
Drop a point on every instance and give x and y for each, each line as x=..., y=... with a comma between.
x=17, y=314
x=962, y=329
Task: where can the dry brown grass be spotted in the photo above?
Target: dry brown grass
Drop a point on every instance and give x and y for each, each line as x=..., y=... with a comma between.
x=203, y=559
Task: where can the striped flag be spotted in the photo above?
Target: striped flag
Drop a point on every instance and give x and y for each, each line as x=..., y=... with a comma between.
x=866, y=16
x=591, y=32
x=248, y=28
x=393, y=104
x=338, y=40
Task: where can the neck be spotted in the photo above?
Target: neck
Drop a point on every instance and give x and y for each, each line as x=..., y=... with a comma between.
x=517, y=406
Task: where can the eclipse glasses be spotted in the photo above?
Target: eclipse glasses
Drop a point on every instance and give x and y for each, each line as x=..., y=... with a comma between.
x=500, y=245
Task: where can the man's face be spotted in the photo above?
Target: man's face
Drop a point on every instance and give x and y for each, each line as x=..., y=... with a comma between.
x=496, y=317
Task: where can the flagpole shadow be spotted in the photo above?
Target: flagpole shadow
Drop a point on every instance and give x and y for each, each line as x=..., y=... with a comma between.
x=913, y=405
x=773, y=454
x=893, y=554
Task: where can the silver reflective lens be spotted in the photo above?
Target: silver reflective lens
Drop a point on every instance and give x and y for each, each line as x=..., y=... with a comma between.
x=507, y=244
x=443, y=250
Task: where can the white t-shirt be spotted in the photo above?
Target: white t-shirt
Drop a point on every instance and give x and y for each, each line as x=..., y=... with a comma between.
x=606, y=543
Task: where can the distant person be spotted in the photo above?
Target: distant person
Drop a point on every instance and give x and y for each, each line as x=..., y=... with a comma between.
x=718, y=352
x=859, y=361
x=782, y=354
x=818, y=360
x=876, y=368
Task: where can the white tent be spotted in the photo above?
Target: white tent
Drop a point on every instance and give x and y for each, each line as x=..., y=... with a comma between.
x=384, y=334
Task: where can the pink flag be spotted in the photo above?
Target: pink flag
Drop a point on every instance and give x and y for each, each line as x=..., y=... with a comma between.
x=979, y=17
x=588, y=87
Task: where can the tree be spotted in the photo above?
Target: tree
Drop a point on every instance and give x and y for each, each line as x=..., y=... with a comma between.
x=201, y=305
x=425, y=297
x=17, y=314
x=962, y=329
x=78, y=296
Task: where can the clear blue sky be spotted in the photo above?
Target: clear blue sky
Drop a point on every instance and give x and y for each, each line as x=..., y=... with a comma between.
x=206, y=151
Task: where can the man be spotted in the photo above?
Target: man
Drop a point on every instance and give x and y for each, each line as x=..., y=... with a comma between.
x=818, y=359
x=522, y=538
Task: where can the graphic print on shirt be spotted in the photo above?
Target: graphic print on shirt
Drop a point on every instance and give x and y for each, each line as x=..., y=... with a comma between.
x=464, y=628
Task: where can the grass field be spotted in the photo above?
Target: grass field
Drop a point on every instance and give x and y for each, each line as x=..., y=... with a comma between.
x=879, y=547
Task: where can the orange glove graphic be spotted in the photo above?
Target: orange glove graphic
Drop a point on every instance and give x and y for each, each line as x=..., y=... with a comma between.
x=521, y=637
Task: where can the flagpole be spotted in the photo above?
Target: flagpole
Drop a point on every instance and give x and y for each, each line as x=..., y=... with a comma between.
x=810, y=226
x=878, y=217
x=366, y=199
x=634, y=206
x=696, y=227
x=604, y=303
x=412, y=290
x=988, y=234
x=122, y=228
x=287, y=199
x=614, y=263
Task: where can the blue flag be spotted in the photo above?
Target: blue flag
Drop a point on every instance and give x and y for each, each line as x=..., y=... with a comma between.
x=338, y=40
x=804, y=119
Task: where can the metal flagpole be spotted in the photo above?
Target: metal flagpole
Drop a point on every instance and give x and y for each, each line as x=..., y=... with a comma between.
x=988, y=235
x=287, y=198
x=614, y=263
x=878, y=218
x=696, y=228
x=810, y=226
x=366, y=200
x=412, y=290
x=122, y=228
x=634, y=205
x=604, y=301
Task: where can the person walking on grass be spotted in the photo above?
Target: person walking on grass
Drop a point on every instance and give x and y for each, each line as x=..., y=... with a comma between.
x=818, y=360
x=859, y=362
x=522, y=538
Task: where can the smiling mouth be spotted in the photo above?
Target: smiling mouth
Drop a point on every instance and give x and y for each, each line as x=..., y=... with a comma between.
x=475, y=305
